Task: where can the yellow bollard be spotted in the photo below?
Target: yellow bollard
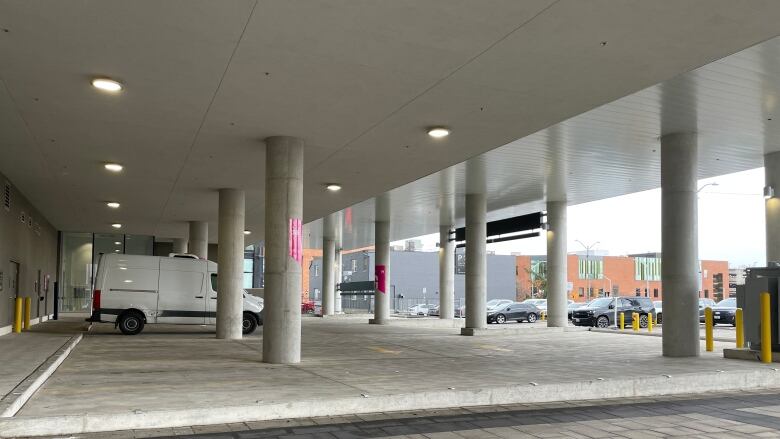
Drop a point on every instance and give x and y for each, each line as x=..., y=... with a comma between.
x=739, y=323
x=650, y=322
x=766, y=329
x=18, y=315
x=708, y=329
x=635, y=321
x=622, y=320
x=27, y=307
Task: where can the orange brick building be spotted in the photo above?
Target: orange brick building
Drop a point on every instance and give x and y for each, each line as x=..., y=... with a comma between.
x=636, y=275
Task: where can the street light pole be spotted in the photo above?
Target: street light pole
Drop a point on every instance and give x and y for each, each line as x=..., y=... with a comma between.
x=587, y=267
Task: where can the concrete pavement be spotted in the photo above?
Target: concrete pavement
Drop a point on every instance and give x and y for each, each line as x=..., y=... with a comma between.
x=175, y=376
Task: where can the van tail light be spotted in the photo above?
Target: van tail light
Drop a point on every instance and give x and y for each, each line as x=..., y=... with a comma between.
x=96, y=300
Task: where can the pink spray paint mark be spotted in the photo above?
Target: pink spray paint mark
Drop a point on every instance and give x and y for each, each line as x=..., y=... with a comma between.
x=380, y=278
x=296, y=244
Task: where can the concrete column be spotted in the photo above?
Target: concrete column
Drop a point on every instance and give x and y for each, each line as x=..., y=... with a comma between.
x=382, y=262
x=328, y=276
x=772, y=206
x=179, y=245
x=337, y=275
x=199, y=239
x=476, y=265
x=328, y=264
x=283, y=250
x=230, y=260
x=557, y=313
x=446, y=274
x=679, y=243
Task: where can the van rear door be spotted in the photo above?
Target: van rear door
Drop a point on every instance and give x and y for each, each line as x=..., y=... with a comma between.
x=181, y=298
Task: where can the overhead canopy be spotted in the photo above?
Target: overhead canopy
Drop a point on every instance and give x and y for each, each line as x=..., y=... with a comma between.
x=361, y=82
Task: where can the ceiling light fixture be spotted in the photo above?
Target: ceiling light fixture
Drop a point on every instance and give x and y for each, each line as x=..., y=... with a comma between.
x=107, y=84
x=113, y=204
x=118, y=242
x=113, y=167
x=333, y=187
x=247, y=232
x=116, y=225
x=438, y=132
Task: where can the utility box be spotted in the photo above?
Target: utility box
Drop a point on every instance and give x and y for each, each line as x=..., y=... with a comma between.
x=757, y=281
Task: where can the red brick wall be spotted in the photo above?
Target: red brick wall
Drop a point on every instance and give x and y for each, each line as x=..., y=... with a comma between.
x=620, y=269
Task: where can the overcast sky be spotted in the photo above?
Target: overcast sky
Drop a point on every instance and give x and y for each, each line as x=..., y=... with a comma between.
x=731, y=223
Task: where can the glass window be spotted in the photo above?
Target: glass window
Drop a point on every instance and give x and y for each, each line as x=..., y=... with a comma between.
x=249, y=265
x=591, y=268
x=76, y=290
x=214, y=282
x=354, y=265
x=139, y=245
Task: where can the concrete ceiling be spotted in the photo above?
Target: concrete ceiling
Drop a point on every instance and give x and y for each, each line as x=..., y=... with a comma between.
x=360, y=82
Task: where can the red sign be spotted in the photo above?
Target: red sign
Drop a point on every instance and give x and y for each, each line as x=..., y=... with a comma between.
x=381, y=278
x=296, y=243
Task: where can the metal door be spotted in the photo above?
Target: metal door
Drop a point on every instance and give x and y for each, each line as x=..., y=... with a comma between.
x=13, y=277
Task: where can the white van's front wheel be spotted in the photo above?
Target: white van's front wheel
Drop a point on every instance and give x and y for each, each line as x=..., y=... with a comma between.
x=248, y=324
x=131, y=323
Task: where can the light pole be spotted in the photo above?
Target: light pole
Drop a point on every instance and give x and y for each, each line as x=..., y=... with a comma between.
x=587, y=266
x=610, y=284
x=701, y=269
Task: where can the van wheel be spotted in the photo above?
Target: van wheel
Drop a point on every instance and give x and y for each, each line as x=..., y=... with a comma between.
x=248, y=324
x=531, y=317
x=643, y=321
x=131, y=323
x=602, y=322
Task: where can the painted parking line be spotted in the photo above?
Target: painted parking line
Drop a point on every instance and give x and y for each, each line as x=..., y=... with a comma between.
x=382, y=350
x=494, y=348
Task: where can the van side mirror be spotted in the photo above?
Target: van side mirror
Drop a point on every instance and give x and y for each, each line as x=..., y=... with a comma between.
x=611, y=306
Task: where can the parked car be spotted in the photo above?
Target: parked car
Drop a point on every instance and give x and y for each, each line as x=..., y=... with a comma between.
x=704, y=303
x=497, y=303
x=433, y=310
x=574, y=305
x=514, y=311
x=539, y=303
x=307, y=307
x=418, y=310
x=725, y=312
x=135, y=290
x=601, y=312
x=659, y=315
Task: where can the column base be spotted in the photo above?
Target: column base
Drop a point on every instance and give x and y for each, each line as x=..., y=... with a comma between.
x=377, y=321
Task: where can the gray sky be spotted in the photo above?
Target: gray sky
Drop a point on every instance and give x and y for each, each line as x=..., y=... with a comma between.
x=731, y=223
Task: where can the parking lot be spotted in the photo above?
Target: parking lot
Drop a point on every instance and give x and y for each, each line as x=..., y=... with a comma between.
x=179, y=372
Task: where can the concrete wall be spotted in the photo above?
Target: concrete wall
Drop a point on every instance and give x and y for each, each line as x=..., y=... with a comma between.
x=410, y=272
x=166, y=248
x=33, y=244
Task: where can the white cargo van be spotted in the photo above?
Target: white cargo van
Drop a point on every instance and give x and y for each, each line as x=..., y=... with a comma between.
x=133, y=290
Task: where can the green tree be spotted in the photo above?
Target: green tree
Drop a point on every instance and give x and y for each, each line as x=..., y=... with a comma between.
x=538, y=275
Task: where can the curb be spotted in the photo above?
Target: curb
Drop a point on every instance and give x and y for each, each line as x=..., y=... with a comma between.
x=651, y=334
x=644, y=386
x=11, y=403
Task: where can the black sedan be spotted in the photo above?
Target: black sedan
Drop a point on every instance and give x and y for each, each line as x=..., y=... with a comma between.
x=514, y=311
x=725, y=312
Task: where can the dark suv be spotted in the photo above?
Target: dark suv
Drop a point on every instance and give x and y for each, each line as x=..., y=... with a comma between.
x=601, y=312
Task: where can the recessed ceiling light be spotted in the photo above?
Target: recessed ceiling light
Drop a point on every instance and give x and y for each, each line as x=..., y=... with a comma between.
x=112, y=204
x=333, y=187
x=438, y=132
x=118, y=242
x=116, y=226
x=113, y=167
x=106, y=84
x=247, y=232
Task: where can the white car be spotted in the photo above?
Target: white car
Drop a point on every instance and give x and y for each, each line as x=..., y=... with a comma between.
x=418, y=310
x=539, y=303
x=133, y=290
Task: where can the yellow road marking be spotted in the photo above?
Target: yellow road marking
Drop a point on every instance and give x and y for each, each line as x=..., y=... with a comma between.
x=382, y=350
